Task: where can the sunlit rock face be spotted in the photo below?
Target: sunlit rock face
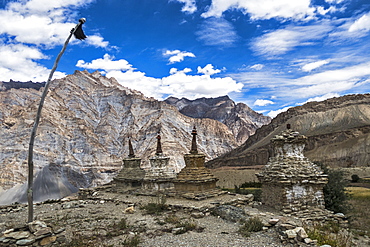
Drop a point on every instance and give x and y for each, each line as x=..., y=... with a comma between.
x=85, y=124
x=337, y=131
x=239, y=118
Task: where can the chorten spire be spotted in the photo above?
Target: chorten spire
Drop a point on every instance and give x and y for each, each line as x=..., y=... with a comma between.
x=159, y=146
x=131, y=153
x=194, y=149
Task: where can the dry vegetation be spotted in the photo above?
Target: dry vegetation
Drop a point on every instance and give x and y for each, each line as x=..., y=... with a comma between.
x=360, y=213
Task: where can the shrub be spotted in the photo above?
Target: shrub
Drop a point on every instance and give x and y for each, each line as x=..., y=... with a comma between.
x=251, y=225
x=335, y=195
x=188, y=225
x=117, y=229
x=172, y=219
x=251, y=185
x=355, y=178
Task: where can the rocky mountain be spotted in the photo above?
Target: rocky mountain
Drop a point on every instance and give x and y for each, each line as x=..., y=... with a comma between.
x=338, y=131
x=84, y=129
x=239, y=118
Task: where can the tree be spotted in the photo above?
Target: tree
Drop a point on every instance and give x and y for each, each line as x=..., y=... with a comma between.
x=336, y=197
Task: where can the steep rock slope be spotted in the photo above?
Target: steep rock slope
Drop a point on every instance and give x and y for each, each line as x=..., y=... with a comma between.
x=84, y=129
x=338, y=132
x=239, y=118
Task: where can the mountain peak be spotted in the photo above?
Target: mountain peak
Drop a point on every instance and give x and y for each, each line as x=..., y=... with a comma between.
x=239, y=118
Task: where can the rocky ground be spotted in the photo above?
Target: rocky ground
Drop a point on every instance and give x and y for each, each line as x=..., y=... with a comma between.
x=107, y=219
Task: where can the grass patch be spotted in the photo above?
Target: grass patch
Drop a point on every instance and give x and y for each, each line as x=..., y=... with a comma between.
x=331, y=234
x=113, y=230
x=80, y=240
x=172, y=219
x=359, y=192
x=131, y=241
x=251, y=225
x=157, y=207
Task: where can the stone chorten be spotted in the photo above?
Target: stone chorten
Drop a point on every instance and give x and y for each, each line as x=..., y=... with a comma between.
x=159, y=176
x=290, y=182
x=131, y=175
x=194, y=177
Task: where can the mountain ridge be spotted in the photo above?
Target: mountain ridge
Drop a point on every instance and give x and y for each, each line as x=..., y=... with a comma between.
x=85, y=125
x=330, y=126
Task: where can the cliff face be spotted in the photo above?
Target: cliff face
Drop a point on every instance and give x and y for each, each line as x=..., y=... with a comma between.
x=338, y=132
x=239, y=118
x=84, y=129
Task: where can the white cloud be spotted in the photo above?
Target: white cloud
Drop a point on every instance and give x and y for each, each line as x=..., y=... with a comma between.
x=176, y=56
x=273, y=114
x=106, y=64
x=326, y=83
x=33, y=29
x=283, y=40
x=361, y=24
x=189, y=6
x=149, y=86
x=17, y=63
x=208, y=70
x=178, y=83
x=176, y=71
x=326, y=87
x=301, y=9
x=97, y=41
x=263, y=102
x=322, y=97
x=322, y=11
x=39, y=22
x=314, y=65
x=29, y=27
x=44, y=6
x=334, y=1
x=257, y=66
x=338, y=75
x=217, y=32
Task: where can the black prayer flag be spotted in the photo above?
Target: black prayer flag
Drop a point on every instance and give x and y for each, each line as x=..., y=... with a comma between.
x=79, y=33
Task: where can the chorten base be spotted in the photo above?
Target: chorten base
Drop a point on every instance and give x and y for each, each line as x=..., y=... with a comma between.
x=158, y=184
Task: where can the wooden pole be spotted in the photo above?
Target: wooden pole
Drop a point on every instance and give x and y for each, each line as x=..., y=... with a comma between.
x=36, y=123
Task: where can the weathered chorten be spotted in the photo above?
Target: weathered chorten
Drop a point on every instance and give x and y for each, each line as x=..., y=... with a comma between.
x=290, y=182
x=159, y=176
x=131, y=175
x=194, y=178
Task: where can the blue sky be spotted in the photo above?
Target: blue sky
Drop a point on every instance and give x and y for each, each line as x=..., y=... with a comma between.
x=269, y=54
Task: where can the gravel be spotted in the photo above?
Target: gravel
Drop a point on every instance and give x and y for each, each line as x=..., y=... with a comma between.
x=94, y=222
